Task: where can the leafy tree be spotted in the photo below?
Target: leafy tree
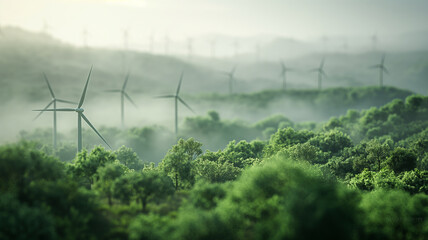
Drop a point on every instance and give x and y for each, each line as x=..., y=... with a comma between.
x=332, y=142
x=394, y=215
x=20, y=221
x=289, y=200
x=178, y=161
x=107, y=175
x=286, y=137
x=150, y=227
x=305, y=152
x=377, y=152
x=123, y=189
x=415, y=181
x=150, y=185
x=129, y=158
x=401, y=159
x=86, y=165
x=206, y=195
x=216, y=171
x=21, y=164
x=238, y=153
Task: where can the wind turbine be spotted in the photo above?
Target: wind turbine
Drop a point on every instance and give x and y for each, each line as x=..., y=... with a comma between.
x=53, y=101
x=382, y=69
x=177, y=98
x=283, y=74
x=321, y=73
x=80, y=115
x=123, y=95
x=231, y=78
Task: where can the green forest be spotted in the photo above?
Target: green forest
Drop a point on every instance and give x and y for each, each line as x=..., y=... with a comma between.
x=362, y=175
x=213, y=120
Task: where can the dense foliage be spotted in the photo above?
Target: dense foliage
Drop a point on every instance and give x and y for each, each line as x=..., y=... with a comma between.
x=363, y=175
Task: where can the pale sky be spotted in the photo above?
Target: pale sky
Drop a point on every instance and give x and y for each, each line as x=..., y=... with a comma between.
x=179, y=19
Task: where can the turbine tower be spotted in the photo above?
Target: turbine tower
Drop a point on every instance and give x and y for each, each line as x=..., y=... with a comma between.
x=231, y=78
x=283, y=74
x=53, y=101
x=382, y=69
x=80, y=115
x=123, y=95
x=321, y=73
x=177, y=98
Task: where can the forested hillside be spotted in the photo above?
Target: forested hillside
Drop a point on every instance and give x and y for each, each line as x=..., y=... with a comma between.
x=335, y=180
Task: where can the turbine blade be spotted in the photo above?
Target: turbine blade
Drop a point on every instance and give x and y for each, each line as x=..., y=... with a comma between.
x=314, y=70
x=179, y=84
x=95, y=130
x=126, y=81
x=49, y=86
x=44, y=109
x=323, y=73
x=375, y=66
x=82, y=98
x=57, y=110
x=166, y=96
x=65, y=101
x=185, y=104
x=385, y=70
x=129, y=98
x=383, y=59
x=113, y=90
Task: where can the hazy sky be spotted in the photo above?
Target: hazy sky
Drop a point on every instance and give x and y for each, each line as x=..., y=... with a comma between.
x=179, y=19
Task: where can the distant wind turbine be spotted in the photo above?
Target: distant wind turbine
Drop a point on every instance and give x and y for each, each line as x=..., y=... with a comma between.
x=80, y=115
x=123, y=95
x=177, y=98
x=284, y=71
x=53, y=101
x=321, y=73
x=382, y=69
x=231, y=75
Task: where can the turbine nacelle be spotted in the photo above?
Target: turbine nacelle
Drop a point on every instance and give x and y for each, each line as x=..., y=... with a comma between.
x=79, y=110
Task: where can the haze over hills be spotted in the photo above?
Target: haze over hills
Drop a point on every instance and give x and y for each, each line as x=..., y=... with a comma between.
x=26, y=55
